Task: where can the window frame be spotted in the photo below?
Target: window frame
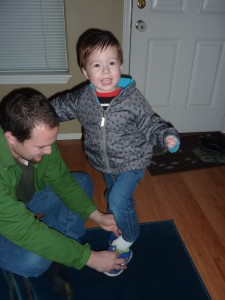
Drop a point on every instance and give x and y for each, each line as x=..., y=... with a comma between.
x=46, y=75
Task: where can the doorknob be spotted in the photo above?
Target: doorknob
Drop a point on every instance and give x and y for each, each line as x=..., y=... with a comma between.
x=141, y=4
x=141, y=26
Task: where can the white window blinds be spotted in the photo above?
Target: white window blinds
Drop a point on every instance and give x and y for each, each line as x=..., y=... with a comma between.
x=32, y=37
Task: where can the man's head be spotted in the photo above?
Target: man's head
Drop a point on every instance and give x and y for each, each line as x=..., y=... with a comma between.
x=29, y=123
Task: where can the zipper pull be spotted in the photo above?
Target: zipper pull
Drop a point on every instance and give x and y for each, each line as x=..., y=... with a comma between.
x=103, y=122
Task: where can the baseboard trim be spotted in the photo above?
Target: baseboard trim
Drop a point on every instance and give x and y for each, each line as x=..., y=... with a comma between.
x=69, y=136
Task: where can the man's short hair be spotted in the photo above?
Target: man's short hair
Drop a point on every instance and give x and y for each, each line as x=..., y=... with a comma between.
x=23, y=109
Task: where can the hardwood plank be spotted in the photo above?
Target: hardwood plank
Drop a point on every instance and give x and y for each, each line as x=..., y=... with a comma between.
x=195, y=200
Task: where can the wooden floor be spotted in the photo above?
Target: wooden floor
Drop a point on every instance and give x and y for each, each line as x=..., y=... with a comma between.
x=195, y=200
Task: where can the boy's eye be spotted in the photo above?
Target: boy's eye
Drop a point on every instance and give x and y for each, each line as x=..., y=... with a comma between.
x=112, y=63
x=96, y=65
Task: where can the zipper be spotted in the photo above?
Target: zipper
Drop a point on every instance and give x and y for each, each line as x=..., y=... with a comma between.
x=103, y=126
x=103, y=122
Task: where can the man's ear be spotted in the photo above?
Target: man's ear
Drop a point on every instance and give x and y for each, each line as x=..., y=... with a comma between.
x=9, y=137
x=85, y=73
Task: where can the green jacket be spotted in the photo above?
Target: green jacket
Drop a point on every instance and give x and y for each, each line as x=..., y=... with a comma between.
x=19, y=225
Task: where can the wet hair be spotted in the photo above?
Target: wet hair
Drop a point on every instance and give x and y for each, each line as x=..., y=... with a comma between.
x=23, y=109
x=96, y=39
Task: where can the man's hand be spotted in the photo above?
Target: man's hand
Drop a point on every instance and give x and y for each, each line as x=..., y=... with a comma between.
x=106, y=221
x=105, y=261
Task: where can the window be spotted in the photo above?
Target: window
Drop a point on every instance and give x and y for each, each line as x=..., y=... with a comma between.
x=33, y=42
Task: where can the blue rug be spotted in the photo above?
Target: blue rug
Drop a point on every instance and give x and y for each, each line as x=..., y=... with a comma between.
x=161, y=269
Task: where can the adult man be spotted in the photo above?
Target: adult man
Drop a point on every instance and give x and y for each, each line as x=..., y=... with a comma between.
x=42, y=206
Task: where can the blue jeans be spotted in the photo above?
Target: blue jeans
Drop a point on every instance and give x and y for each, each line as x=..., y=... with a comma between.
x=119, y=195
x=25, y=263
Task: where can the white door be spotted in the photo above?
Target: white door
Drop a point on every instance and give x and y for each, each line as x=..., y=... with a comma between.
x=177, y=57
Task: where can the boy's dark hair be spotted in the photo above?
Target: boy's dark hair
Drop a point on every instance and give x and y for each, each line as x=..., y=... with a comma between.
x=23, y=109
x=95, y=39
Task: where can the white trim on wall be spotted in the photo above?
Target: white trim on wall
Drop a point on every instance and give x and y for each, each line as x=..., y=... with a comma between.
x=127, y=7
x=69, y=136
x=223, y=125
x=34, y=78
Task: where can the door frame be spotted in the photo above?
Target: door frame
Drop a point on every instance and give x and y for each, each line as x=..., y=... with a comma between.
x=127, y=14
x=126, y=41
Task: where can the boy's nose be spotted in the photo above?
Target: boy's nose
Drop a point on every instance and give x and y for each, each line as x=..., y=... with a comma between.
x=105, y=69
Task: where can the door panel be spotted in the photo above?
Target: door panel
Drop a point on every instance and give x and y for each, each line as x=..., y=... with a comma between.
x=177, y=57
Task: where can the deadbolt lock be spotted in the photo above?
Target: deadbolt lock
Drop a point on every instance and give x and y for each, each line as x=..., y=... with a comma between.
x=141, y=4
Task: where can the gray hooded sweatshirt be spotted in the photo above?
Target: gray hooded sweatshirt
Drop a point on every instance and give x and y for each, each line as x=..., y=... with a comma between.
x=120, y=138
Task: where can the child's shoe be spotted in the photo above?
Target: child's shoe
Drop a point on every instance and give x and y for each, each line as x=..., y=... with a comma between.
x=126, y=254
x=112, y=237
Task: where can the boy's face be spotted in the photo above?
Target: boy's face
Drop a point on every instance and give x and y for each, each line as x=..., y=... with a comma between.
x=103, y=69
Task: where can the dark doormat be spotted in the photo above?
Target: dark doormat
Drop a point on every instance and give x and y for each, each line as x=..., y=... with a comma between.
x=196, y=151
x=161, y=269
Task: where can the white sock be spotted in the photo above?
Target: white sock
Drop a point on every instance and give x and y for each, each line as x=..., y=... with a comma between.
x=121, y=244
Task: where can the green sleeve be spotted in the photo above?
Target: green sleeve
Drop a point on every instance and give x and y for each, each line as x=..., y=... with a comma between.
x=18, y=225
x=54, y=172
